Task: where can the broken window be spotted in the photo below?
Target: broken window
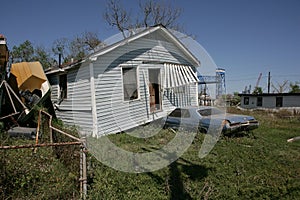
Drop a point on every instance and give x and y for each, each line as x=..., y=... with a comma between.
x=130, y=83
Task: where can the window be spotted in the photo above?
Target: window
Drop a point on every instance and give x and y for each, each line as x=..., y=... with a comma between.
x=279, y=101
x=130, y=83
x=246, y=100
x=259, y=101
x=63, y=86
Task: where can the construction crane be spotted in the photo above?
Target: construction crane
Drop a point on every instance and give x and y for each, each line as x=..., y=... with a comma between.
x=257, y=90
x=258, y=80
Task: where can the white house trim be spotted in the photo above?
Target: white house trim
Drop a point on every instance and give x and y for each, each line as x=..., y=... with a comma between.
x=93, y=99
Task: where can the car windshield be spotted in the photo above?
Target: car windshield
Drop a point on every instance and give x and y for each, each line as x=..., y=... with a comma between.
x=210, y=111
x=180, y=113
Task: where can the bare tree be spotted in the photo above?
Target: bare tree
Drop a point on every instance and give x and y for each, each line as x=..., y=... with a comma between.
x=150, y=13
x=117, y=16
x=281, y=88
x=90, y=40
x=60, y=47
x=83, y=44
x=160, y=13
x=76, y=48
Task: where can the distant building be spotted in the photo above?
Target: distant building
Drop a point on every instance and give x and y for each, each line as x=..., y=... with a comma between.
x=270, y=101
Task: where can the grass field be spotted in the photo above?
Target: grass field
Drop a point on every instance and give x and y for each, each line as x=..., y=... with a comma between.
x=259, y=165
x=256, y=165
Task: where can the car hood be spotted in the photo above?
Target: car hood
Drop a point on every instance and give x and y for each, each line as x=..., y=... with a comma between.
x=232, y=118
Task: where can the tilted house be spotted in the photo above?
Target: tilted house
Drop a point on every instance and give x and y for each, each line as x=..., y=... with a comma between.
x=129, y=83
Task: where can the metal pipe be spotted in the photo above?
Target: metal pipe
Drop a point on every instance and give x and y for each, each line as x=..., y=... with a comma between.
x=9, y=115
x=83, y=173
x=11, y=101
x=84, y=168
x=62, y=132
x=40, y=145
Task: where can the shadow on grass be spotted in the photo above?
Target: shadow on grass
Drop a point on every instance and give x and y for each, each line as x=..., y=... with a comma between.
x=175, y=183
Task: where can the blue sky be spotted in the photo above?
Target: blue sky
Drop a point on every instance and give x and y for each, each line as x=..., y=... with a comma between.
x=246, y=37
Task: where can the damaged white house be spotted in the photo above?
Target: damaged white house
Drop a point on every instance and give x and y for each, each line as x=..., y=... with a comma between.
x=129, y=83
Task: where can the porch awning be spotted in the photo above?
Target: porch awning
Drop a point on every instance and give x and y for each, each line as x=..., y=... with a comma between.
x=178, y=75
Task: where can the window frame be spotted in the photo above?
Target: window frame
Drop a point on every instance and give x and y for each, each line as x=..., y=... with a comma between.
x=127, y=99
x=246, y=100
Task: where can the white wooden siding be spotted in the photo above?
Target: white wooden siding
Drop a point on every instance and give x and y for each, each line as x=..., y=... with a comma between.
x=53, y=80
x=76, y=108
x=113, y=113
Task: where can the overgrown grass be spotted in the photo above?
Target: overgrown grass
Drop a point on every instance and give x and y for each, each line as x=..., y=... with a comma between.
x=42, y=173
x=256, y=165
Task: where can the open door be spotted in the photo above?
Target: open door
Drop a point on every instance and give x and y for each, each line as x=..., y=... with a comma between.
x=154, y=90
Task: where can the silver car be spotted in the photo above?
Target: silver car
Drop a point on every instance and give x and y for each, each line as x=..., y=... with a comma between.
x=204, y=117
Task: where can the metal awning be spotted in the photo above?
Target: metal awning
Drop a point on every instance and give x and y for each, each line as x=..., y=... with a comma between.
x=178, y=75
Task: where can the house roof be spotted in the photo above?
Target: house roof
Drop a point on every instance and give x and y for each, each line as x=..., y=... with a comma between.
x=143, y=33
x=63, y=67
x=101, y=51
x=269, y=94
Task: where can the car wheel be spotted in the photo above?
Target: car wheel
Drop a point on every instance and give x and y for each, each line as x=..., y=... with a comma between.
x=202, y=130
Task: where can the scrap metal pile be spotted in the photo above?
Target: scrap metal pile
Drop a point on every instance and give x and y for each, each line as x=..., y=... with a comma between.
x=23, y=88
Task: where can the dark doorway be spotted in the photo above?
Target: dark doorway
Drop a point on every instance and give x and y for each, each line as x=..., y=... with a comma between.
x=279, y=101
x=154, y=90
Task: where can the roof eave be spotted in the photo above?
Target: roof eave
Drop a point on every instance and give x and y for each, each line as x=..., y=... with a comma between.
x=193, y=59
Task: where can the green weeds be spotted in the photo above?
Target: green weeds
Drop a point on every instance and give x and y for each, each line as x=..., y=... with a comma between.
x=256, y=165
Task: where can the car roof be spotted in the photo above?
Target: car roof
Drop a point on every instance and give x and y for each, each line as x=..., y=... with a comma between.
x=196, y=107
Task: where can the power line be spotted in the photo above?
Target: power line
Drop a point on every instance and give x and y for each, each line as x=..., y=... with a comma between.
x=272, y=76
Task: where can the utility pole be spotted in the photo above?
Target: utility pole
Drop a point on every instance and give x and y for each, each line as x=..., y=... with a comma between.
x=269, y=80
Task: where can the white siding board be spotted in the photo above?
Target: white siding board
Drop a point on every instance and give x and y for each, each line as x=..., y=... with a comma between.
x=53, y=80
x=112, y=111
x=76, y=109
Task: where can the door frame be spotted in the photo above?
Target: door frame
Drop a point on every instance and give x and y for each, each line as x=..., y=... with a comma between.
x=155, y=89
